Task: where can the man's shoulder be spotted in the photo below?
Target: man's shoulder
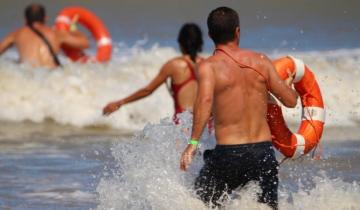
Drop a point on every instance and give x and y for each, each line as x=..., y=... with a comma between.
x=212, y=62
x=21, y=30
x=43, y=29
x=211, y=59
x=257, y=59
x=208, y=63
x=19, y=33
x=251, y=53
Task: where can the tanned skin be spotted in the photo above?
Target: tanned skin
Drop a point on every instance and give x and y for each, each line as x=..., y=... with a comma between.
x=32, y=49
x=237, y=97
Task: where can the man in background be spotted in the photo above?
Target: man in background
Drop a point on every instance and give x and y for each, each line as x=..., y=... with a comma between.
x=37, y=44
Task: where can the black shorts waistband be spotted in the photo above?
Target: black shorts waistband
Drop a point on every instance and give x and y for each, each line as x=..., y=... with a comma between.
x=244, y=146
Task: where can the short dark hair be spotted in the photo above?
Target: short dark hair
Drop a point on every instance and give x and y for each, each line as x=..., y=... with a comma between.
x=222, y=23
x=190, y=39
x=34, y=13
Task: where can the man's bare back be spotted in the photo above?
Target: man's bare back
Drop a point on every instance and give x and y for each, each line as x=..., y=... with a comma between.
x=242, y=78
x=240, y=98
x=32, y=49
x=234, y=85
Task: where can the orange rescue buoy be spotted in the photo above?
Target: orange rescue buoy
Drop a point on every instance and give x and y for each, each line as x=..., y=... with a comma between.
x=94, y=25
x=313, y=111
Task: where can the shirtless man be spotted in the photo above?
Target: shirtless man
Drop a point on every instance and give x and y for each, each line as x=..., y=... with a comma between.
x=31, y=48
x=234, y=85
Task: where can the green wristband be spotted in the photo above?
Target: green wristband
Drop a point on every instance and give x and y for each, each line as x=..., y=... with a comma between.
x=193, y=142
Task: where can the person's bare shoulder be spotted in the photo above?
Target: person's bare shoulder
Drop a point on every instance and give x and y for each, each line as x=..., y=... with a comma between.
x=19, y=34
x=210, y=63
x=212, y=59
x=207, y=63
x=8, y=40
x=50, y=29
x=258, y=60
x=250, y=55
x=176, y=63
x=20, y=31
x=263, y=61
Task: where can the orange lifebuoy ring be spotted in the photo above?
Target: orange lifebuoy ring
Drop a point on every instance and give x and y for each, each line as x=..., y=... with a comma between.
x=313, y=111
x=94, y=25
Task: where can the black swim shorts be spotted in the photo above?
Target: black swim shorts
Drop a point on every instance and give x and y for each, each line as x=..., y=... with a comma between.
x=228, y=167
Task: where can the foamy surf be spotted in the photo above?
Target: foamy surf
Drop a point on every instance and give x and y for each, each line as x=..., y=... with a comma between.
x=148, y=177
x=76, y=94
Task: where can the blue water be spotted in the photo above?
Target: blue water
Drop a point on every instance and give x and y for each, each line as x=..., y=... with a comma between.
x=48, y=173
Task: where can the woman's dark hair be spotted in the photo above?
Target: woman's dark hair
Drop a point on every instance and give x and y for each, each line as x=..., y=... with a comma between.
x=34, y=13
x=190, y=39
x=222, y=23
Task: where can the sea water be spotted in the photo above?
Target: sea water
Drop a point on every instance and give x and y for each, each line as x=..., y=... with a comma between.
x=57, y=151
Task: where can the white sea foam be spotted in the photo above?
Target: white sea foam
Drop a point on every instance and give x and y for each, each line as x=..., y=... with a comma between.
x=76, y=94
x=337, y=73
x=148, y=177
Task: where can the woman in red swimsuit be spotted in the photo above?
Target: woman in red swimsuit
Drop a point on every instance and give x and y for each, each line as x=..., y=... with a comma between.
x=181, y=70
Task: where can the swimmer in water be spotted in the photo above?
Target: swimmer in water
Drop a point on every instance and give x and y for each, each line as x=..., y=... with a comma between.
x=39, y=44
x=181, y=70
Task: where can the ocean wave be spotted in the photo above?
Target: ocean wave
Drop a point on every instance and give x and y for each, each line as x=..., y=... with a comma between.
x=76, y=94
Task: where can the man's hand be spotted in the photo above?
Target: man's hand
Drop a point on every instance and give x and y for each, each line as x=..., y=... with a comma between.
x=187, y=157
x=289, y=81
x=73, y=24
x=282, y=90
x=112, y=107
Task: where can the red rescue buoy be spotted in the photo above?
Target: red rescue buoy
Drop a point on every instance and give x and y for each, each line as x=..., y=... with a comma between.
x=313, y=111
x=91, y=22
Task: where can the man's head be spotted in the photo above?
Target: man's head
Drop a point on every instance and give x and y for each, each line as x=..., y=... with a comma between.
x=35, y=13
x=224, y=26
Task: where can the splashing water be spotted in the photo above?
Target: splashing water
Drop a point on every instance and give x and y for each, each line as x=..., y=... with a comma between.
x=149, y=171
x=148, y=177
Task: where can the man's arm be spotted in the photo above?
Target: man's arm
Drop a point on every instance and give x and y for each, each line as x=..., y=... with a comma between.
x=7, y=42
x=202, y=111
x=143, y=92
x=204, y=100
x=281, y=89
x=75, y=39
